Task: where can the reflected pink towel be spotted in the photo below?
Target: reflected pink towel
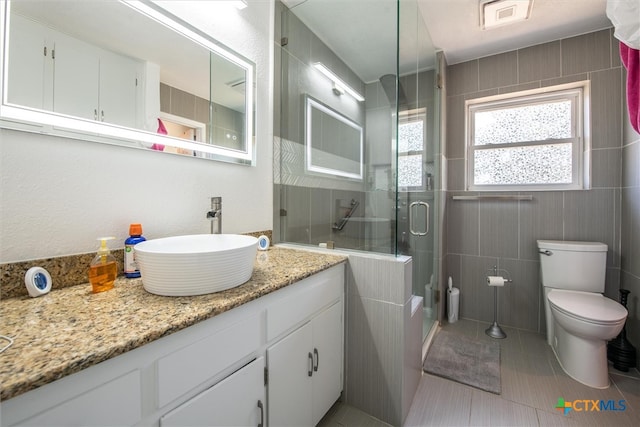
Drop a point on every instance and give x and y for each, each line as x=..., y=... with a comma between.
x=163, y=131
x=631, y=60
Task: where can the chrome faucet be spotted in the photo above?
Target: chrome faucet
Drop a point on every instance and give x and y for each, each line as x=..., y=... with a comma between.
x=215, y=215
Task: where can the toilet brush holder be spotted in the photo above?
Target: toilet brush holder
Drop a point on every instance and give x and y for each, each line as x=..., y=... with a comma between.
x=619, y=350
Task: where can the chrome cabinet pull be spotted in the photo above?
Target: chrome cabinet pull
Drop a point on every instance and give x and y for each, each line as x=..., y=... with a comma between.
x=310, y=372
x=261, y=423
x=317, y=360
x=414, y=206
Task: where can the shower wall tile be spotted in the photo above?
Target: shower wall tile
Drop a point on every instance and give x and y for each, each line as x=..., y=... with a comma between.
x=606, y=109
x=297, y=205
x=462, y=78
x=588, y=52
x=298, y=37
x=320, y=214
x=476, y=298
x=524, y=291
x=378, y=341
x=374, y=359
x=606, y=168
x=539, y=62
x=498, y=70
x=540, y=219
x=463, y=227
x=498, y=229
x=380, y=277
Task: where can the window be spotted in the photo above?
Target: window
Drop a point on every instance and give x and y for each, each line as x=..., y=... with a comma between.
x=531, y=140
x=411, y=149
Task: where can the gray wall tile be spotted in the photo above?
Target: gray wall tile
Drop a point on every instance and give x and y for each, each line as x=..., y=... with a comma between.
x=462, y=227
x=631, y=165
x=455, y=127
x=596, y=226
x=462, y=78
x=588, y=52
x=498, y=70
x=455, y=174
x=606, y=108
x=524, y=291
x=540, y=218
x=606, y=168
x=498, y=229
x=539, y=62
x=474, y=229
x=476, y=297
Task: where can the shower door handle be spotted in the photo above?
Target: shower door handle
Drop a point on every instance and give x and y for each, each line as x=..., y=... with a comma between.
x=414, y=207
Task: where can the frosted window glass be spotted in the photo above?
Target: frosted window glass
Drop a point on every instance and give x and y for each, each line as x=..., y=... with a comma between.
x=535, y=122
x=542, y=164
x=410, y=171
x=411, y=136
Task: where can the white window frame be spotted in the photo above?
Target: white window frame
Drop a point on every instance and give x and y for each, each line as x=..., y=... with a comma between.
x=410, y=116
x=577, y=92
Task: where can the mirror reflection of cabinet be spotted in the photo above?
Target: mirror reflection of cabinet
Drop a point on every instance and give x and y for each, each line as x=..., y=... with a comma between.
x=107, y=62
x=59, y=73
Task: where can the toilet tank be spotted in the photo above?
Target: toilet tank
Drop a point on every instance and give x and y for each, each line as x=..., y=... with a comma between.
x=579, y=266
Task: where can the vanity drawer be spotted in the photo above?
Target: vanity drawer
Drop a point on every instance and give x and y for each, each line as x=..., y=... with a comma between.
x=193, y=365
x=310, y=296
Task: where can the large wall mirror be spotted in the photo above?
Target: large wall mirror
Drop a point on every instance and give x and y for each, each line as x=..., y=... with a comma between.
x=126, y=73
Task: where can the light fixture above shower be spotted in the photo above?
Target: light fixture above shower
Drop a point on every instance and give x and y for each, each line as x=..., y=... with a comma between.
x=496, y=13
x=339, y=86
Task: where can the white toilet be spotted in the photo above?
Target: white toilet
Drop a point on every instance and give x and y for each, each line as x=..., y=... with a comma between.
x=580, y=320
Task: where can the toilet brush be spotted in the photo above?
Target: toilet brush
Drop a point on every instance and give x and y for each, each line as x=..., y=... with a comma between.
x=619, y=350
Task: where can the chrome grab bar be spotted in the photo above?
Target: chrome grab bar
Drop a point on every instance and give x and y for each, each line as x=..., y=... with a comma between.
x=411, y=209
x=547, y=252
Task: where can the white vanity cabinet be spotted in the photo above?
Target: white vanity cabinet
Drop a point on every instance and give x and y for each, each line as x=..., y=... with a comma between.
x=305, y=364
x=239, y=400
x=305, y=371
x=53, y=71
x=276, y=360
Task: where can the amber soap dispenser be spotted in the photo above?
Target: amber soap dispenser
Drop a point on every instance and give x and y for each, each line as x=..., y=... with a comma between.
x=103, y=269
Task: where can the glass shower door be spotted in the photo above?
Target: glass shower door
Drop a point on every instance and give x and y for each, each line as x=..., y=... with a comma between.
x=418, y=157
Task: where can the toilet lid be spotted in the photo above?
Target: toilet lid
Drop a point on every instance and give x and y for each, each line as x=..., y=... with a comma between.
x=587, y=305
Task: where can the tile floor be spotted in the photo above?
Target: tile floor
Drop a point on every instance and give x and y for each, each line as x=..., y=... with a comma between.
x=532, y=382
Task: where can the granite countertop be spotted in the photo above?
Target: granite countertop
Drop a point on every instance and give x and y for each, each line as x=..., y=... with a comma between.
x=72, y=329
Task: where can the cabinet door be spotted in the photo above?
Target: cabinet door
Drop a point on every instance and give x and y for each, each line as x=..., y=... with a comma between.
x=75, y=82
x=238, y=400
x=27, y=61
x=328, y=360
x=290, y=369
x=118, y=76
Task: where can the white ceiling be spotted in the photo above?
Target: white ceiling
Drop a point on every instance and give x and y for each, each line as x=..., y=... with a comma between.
x=363, y=34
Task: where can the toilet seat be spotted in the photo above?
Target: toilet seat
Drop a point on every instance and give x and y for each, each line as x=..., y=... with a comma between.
x=587, y=306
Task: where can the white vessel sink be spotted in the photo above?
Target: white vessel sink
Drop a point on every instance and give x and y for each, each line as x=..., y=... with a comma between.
x=197, y=264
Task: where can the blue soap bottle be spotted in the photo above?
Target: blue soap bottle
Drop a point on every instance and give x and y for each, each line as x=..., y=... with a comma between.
x=135, y=236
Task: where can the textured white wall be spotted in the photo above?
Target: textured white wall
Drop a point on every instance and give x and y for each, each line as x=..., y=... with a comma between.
x=58, y=195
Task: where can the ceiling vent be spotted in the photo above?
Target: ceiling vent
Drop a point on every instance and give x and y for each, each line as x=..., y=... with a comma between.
x=496, y=13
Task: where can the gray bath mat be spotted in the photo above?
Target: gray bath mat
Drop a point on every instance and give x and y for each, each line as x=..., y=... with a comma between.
x=465, y=360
